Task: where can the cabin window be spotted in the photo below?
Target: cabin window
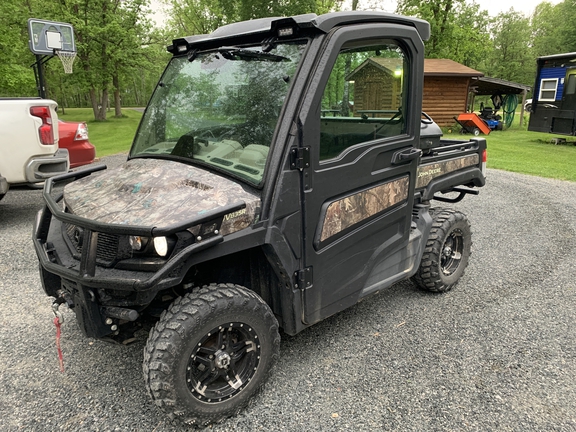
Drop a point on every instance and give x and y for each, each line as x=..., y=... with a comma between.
x=548, y=89
x=363, y=99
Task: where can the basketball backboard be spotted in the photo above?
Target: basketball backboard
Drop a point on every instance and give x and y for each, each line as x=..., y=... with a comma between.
x=47, y=36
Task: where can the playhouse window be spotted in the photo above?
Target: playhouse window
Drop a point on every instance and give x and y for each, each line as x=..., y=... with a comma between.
x=548, y=89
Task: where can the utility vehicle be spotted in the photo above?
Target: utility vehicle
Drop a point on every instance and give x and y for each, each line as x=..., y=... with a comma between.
x=281, y=172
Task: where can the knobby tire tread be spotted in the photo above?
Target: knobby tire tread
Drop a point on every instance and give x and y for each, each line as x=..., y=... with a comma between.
x=428, y=276
x=170, y=331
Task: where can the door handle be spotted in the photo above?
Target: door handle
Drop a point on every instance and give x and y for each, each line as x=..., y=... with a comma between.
x=405, y=156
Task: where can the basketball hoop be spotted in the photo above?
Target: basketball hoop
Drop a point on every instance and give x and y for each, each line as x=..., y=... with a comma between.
x=67, y=58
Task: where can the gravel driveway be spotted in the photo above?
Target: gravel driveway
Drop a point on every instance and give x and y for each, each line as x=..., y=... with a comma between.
x=498, y=353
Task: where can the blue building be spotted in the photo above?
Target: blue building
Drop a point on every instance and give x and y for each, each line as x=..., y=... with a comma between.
x=554, y=100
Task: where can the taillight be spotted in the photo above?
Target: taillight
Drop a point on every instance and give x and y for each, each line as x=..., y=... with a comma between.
x=484, y=160
x=81, y=132
x=46, y=131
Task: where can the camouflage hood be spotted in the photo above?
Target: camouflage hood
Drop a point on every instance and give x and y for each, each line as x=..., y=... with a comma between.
x=158, y=193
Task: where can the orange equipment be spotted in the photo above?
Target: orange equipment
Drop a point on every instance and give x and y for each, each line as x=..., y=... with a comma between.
x=473, y=124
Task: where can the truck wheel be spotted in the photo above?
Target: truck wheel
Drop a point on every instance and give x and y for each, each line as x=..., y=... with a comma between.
x=446, y=253
x=210, y=353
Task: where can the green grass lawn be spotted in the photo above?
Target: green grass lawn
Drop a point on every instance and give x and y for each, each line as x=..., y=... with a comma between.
x=514, y=149
x=113, y=136
x=518, y=150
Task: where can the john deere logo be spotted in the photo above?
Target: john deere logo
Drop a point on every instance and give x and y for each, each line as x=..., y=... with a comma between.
x=430, y=172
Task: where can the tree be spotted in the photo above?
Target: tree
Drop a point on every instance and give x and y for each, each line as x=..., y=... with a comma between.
x=512, y=53
x=119, y=56
x=441, y=16
x=458, y=29
x=566, y=19
x=547, y=26
x=191, y=17
x=16, y=76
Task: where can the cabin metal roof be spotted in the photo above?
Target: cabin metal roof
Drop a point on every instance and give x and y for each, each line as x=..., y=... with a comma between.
x=323, y=23
x=446, y=67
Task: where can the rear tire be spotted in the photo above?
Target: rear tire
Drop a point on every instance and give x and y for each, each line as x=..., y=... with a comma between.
x=210, y=353
x=446, y=253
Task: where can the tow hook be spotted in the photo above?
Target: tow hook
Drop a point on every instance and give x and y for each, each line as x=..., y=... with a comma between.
x=56, y=306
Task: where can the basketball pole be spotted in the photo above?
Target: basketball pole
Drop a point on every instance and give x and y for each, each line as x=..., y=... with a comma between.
x=41, y=84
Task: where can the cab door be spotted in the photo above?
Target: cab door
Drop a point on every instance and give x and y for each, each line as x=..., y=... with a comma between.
x=361, y=137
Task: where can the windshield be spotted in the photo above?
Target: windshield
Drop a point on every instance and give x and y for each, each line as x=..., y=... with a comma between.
x=219, y=109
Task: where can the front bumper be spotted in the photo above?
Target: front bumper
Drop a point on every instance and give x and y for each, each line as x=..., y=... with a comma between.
x=92, y=290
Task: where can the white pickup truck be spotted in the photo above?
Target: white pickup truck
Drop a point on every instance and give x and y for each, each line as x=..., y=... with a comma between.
x=29, y=150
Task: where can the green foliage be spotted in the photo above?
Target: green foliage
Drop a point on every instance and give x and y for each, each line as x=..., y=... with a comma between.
x=511, y=53
x=16, y=77
x=459, y=29
x=120, y=56
x=191, y=17
x=547, y=30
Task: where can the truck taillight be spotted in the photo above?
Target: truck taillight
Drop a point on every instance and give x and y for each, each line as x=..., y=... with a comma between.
x=484, y=160
x=81, y=132
x=46, y=130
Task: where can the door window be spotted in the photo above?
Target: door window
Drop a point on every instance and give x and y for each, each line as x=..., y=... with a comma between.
x=571, y=84
x=364, y=97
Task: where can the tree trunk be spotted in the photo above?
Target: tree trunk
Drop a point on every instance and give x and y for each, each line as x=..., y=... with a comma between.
x=136, y=96
x=99, y=105
x=117, y=101
x=103, y=105
x=94, y=102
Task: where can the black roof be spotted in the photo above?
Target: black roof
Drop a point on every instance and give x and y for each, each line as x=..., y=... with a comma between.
x=323, y=23
x=558, y=56
x=490, y=86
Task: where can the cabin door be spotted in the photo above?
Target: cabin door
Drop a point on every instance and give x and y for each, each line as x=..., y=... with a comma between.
x=358, y=188
x=569, y=96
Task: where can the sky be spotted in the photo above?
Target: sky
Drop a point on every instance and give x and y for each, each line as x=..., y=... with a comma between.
x=494, y=7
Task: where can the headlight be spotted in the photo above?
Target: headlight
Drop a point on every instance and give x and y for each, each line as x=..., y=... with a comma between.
x=161, y=246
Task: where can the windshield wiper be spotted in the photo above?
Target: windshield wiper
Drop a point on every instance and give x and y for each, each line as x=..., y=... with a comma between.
x=233, y=53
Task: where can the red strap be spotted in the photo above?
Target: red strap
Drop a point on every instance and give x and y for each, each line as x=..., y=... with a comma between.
x=60, y=356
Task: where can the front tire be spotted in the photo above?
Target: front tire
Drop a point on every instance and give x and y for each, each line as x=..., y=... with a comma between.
x=210, y=353
x=446, y=253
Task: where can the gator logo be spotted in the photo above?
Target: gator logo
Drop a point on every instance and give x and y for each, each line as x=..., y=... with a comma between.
x=235, y=214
